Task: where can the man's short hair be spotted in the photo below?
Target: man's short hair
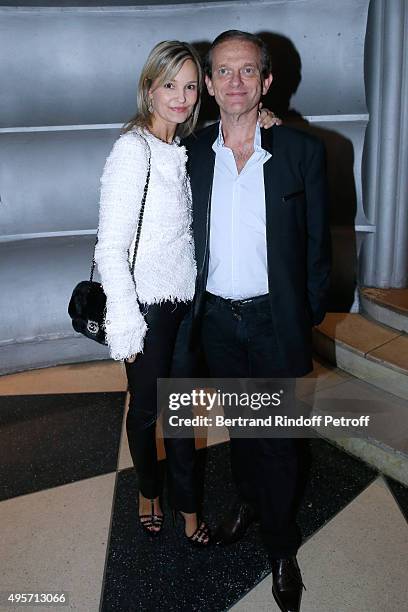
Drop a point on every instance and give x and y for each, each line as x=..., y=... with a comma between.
x=266, y=66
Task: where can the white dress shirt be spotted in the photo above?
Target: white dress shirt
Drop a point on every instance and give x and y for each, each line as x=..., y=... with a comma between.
x=238, y=260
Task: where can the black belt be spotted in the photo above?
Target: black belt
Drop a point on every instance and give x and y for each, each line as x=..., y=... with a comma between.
x=217, y=299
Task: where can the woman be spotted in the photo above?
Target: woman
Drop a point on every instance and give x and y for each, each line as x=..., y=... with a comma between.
x=145, y=310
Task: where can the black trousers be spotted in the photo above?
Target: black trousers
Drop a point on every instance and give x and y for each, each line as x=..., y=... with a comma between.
x=166, y=332
x=239, y=342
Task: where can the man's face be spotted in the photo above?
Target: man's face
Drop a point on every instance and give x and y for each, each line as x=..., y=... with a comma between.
x=236, y=80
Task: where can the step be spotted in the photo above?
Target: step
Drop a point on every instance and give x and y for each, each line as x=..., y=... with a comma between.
x=387, y=306
x=386, y=460
x=368, y=350
x=389, y=458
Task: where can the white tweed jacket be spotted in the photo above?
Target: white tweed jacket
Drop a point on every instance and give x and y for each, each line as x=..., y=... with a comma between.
x=165, y=265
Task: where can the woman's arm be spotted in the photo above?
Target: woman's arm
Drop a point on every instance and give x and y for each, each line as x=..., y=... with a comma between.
x=267, y=118
x=122, y=185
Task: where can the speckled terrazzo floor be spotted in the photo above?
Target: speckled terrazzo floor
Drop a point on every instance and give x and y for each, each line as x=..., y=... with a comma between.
x=50, y=440
x=187, y=579
x=69, y=521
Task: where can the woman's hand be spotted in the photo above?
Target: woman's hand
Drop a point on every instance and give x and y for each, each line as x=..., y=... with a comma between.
x=267, y=118
x=131, y=359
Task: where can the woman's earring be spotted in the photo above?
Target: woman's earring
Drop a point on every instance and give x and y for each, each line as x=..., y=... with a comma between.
x=150, y=107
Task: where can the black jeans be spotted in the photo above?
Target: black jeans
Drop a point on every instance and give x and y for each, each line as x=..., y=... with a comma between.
x=239, y=341
x=165, y=337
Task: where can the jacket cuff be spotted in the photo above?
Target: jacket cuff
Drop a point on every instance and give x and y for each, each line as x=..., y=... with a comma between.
x=126, y=341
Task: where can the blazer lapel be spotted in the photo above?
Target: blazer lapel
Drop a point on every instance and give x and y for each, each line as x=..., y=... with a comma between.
x=271, y=172
x=201, y=175
x=267, y=143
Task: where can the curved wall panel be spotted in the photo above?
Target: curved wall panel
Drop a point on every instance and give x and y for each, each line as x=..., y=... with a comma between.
x=68, y=81
x=50, y=180
x=80, y=66
x=40, y=274
x=37, y=277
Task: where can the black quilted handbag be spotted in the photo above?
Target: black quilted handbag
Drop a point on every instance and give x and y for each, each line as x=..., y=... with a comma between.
x=87, y=306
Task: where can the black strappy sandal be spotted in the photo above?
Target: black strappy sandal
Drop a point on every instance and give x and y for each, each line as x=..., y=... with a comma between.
x=148, y=521
x=201, y=538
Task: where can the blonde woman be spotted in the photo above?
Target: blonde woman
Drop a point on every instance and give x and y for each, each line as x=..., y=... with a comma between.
x=145, y=310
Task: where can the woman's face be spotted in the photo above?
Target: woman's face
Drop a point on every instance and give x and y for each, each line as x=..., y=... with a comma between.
x=173, y=101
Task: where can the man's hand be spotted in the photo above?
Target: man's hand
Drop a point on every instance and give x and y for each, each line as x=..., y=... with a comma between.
x=131, y=359
x=267, y=118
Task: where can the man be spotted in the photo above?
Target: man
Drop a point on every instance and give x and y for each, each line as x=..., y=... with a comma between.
x=260, y=224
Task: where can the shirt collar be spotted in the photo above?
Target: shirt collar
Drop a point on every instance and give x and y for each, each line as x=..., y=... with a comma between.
x=219, y=141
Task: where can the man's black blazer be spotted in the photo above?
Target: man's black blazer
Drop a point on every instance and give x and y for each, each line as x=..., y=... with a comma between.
x=297, y=234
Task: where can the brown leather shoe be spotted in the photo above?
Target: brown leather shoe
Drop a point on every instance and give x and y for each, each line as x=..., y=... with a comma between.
x=235, y=524
x=287, y=584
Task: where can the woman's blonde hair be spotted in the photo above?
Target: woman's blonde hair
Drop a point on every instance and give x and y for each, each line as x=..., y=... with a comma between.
x=164, y=62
